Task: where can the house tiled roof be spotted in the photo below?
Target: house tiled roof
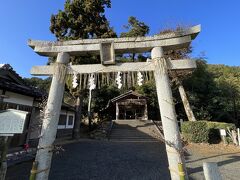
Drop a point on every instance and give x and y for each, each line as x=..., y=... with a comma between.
x=10, y=80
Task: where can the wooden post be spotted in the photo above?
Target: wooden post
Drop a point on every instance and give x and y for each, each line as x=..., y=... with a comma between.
x=168, y=114
x=117, y=111
x=238, y=132
x=3, y=161
x=77, y=120
x=89, y=110
x=234, y=137
x=211, y=171
x=30, y=127
x=145, y=112
x=51, y=118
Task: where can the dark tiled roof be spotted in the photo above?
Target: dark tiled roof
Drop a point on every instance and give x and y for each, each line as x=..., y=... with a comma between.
x=127, y=94
x=114, y=100
x=13, y=82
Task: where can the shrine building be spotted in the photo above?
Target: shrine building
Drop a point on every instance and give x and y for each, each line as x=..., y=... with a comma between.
x=130, y=105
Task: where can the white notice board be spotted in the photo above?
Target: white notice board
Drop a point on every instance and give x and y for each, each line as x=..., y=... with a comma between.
x=12, y=121
x=223, y=132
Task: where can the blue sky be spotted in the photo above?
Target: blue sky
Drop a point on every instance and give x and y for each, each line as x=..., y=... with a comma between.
x=30, y=19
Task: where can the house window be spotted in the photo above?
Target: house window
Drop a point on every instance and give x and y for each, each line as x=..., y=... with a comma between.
x=62, y=121
x=66, y=121
x=70, y=121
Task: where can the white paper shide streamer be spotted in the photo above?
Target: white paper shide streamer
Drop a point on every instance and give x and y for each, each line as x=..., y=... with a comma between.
x=119, y=80
x=74, y=81
x=139, y=78
x=91, y=82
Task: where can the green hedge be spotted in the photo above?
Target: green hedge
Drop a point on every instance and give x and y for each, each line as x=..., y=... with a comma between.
x=203, y=131
x=196, y=131
x=220, y=125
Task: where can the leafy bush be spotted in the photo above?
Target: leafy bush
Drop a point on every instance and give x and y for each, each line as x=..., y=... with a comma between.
x=196, y=131
x=220, y=125
x=204, y=131
x=214, y=133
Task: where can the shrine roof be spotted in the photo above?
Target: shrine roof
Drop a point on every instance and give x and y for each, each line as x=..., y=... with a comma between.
x=171, y=40
x=123, y=96
x=129, y=93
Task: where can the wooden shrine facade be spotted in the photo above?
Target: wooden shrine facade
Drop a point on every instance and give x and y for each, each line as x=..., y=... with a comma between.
x=127, y=106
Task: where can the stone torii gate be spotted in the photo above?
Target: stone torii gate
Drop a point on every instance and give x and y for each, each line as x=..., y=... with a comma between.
x=107, y=48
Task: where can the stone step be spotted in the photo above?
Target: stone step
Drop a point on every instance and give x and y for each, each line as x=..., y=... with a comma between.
x=134, y=140
x=133, y=130
x=130, y=135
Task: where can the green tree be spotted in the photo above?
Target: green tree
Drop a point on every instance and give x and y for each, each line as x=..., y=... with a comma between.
x=227, y=80
x=200, y=87
x=135, y=28
x=148, y=89
x=42, y=84
x=81, y=19
x=215, y=92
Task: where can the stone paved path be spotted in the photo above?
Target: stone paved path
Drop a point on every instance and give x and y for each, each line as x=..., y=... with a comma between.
x=134, y=131
x=105, y=160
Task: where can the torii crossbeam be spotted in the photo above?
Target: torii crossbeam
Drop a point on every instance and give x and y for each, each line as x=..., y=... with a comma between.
x=107, y=48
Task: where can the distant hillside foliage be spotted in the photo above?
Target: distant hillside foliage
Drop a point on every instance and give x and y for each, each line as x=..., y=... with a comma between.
x=214, y=92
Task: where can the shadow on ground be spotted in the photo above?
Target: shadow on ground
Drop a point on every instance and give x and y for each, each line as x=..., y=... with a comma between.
x=105, y=160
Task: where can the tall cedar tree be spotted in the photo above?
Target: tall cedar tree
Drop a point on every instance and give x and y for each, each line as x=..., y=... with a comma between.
x=135, y=28
x=81, y=19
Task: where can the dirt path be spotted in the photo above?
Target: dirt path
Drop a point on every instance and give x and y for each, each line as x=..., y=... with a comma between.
x=227, y=158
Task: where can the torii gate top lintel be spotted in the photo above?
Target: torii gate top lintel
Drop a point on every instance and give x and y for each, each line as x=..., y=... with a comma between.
x=172, y=40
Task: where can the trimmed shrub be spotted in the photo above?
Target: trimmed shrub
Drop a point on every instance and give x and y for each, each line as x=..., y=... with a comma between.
x=196, y=131
x=204, y=131
x=220, y=125
x=214, y=127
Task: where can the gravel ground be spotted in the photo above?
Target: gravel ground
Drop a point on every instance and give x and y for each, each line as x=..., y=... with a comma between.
x=133, y=153
x=104, y=160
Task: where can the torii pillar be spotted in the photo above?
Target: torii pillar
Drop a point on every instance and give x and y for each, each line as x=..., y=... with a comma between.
x=51, y=118
x=168, y=114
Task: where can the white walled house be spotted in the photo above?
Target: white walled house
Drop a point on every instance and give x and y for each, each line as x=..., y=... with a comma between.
x=16, y=94
x=66, y=121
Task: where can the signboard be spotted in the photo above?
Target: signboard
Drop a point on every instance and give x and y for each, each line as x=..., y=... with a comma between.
x=223, y=132
x=6, y=135
x=12, y=121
